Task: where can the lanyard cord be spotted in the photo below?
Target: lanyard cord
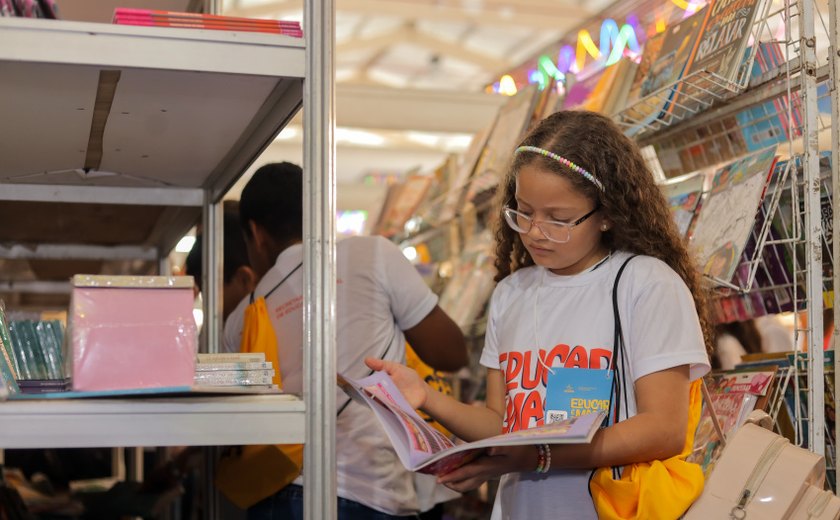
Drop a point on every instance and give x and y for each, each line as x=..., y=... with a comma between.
x=269, y=293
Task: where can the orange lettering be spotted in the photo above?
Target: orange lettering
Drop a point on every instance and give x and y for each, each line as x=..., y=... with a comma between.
x=528, y=382
x=561, y=351
x=512, y=369
x=597, y=355
x=531, y=409
x=577, y=359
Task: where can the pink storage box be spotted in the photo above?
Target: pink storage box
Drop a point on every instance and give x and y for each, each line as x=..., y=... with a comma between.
x=131, y=332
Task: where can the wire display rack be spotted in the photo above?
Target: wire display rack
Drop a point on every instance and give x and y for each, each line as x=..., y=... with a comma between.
x=695, y=93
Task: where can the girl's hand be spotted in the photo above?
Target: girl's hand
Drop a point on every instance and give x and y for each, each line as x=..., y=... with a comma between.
x=413, y=388
x=497, y=462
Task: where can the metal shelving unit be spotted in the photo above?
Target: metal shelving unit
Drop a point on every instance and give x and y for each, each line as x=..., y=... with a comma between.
x=798, y=77
x=111, y=124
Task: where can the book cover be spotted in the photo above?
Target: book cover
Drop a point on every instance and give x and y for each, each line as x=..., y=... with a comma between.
x=640, y=87
x=251, y=357
x=616, y=97
x=582, y=93
x=234, y=377
x=8, y=386
x=512, y=122
x=457, y=188
x=729, y=212
x=216, y=367
x=733, y=396
x=401, y=204
x=674, y=56
x=422, y=448
x=472, y=281
x=683, y=196
x=720, y=49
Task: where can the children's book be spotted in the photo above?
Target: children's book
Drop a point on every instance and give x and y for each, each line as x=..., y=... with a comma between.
x=729, y=213
x=422, y=448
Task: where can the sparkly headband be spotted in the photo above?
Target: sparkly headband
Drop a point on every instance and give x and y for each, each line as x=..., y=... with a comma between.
x=562, y=160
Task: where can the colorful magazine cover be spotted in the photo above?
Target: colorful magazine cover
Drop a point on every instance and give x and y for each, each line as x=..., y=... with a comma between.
x=734, y=395
x=683, y=196
x=725, y=36
x=422, y=448
x=728, y=215
x=674, y=57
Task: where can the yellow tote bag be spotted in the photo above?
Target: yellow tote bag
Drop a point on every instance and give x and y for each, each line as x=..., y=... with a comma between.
x=257, y=472
x=657, y=490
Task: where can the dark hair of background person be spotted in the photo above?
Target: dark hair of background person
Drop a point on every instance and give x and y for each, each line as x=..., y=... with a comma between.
x=745, y=332
x=273, y=199
x=235, y=254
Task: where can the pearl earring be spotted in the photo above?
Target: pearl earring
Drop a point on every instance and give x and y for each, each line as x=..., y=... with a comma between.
x=603, y=227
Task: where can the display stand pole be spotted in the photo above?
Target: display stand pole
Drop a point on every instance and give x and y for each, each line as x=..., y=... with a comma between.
x=211, y=258
x=834, y=91
x=319, y=274
x=813, y=227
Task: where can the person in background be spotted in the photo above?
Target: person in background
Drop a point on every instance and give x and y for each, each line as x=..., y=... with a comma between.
x=578, y=205
x=238, y=278
x=381, y=301
x=734, y=340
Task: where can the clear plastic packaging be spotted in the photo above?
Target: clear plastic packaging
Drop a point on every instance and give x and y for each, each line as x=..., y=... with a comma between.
x=128, y=332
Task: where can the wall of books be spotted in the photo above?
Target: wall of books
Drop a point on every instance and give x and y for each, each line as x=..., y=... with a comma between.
x=733, y=105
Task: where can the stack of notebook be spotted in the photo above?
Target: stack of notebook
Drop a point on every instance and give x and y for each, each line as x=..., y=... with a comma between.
x=156, y=18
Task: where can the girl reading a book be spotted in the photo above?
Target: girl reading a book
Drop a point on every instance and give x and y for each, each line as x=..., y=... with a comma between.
x=577, y=206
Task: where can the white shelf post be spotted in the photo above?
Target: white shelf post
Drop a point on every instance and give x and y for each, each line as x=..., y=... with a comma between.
x=833, y=76
x=813, y=227
x=319, y=279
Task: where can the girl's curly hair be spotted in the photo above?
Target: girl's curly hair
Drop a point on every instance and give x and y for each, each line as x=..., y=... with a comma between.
x=631, y=200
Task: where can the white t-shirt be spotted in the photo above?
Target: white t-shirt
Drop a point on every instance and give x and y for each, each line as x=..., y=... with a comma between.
x=379, y=294
x=568, y=322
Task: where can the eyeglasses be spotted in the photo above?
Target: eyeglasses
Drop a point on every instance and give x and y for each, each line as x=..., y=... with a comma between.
x=553, y=230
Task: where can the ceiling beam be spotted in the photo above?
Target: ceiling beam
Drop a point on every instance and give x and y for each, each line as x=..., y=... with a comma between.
x=538, y=14
x=407, y=34
x=385, y=108
x=559, y=17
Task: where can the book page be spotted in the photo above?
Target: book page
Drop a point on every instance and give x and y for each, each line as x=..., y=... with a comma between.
x=422, y=448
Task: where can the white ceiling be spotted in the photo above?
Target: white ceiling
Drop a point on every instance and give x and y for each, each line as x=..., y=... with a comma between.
x=437, y=44
x=388, y=52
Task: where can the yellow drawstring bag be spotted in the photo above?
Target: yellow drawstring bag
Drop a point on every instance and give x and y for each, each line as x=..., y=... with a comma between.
x=657, y=490
x=256, y=472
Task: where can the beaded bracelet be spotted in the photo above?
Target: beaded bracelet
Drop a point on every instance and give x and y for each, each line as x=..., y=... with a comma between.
x=543, y=458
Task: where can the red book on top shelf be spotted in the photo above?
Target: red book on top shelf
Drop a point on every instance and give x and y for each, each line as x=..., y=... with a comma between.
x=156, y=18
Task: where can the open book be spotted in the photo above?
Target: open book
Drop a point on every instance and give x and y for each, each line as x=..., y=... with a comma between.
x=422, y=448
